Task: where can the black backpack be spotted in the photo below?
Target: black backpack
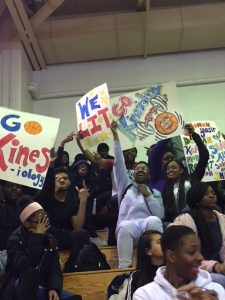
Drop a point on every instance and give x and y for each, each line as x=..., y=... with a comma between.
x=116, y=283
x=90, y=258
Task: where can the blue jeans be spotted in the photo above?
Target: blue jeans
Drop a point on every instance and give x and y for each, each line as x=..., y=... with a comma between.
x=42, y=295
x=218, y=278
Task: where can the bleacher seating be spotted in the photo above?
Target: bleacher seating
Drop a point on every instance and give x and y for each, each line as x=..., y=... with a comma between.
x=93, y=285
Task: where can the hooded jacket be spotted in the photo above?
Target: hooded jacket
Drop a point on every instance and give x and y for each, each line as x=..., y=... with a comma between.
x=133, y=205
x=161, y=289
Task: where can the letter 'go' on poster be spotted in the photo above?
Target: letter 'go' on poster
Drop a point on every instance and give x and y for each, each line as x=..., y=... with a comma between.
x=25, y=143
x=215, y=143
x=149, y=115
x=94, y=116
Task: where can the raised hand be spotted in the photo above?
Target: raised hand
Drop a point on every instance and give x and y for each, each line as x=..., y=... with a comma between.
x=189, y=128
x=68, y=139
x=53, y=157
x=83, y=193
x=114, y=130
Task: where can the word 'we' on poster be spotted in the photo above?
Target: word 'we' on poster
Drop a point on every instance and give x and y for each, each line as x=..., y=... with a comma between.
x=94, y=116
x=215, y=144
x=25, y=143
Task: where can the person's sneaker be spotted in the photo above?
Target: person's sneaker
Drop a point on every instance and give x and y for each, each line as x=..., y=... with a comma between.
x=98, y=242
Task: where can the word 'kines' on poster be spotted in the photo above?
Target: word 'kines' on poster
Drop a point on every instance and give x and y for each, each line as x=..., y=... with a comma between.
x=94, y=116
x=215, y=144
x=25, y=143
x=149, y=115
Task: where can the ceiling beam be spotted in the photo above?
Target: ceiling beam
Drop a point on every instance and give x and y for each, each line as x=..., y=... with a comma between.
x=44, y=12
x=146, y=36
x=2, y=7
x=26, y=33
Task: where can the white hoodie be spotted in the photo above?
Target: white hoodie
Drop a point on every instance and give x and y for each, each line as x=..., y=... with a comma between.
x=161, y=289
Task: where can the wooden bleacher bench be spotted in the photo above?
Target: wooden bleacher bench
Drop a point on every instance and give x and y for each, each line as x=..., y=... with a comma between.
x=91, y=285
x=110, y=254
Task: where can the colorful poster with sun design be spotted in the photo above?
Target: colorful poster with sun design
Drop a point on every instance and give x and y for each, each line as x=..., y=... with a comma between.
x=214, y=141
x=25, y=143
x=149, y=115
x=94, y=116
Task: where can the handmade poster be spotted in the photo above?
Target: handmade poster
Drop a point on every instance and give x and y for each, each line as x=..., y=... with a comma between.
x=149, y=115
x=215, y=143
x=25, y=143
x=94, y=116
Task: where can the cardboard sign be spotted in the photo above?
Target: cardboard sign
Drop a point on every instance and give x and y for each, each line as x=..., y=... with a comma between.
x=214, y=142
x=25, y=143
x=94, y=116
x=149, y=115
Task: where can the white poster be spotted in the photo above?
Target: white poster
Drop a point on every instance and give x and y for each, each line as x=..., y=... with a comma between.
x=25, y=143
x=215, y=143
x=149, y=115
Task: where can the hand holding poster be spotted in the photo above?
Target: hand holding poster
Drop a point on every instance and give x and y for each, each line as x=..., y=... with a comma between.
x=93, y=116
x=25, y=143
x=214, y=142
x=149, y=115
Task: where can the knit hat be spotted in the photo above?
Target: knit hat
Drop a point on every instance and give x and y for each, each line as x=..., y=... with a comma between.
x=80, y=162
x=196, y=193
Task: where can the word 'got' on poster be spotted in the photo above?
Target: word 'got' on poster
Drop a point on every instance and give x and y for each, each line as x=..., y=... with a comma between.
x=214, y=142
x=94, y=116
x=25, y=143
x=149, y=115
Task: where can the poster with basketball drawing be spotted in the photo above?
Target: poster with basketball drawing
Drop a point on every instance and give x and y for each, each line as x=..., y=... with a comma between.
x=94, y=116
x=215, y=143
x=25, y=143
x=149, y=115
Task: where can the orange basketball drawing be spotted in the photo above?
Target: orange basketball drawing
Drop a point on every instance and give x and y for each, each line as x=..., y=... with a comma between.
x=33, y=127
x=166, y=123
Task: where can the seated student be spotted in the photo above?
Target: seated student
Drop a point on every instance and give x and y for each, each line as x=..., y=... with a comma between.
x=141, y=208
x=9, y=219
x=33, y=270
x=63, y=158
x=181, y=278
x=209, y=225
x=102, y=163
x=82, y=172
x=103, y=151
x=149, y=259
x=66, y=213
x=177, y=183
x=158, y=157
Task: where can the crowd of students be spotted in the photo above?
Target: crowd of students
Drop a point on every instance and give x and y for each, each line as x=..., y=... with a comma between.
x=139, y=202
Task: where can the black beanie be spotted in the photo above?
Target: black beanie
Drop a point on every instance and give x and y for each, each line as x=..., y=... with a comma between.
x=196, y=193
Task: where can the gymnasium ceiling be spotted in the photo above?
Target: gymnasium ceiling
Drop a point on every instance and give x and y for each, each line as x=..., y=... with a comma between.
x=67, y=31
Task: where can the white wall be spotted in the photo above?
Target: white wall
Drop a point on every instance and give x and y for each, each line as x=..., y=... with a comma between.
x=15, y=69
x=199, y=102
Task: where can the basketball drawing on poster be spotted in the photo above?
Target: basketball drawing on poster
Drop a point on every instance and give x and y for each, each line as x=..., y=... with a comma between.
x=25, y=143
x=94, y=116
x=214, y=141
x=149, y=115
